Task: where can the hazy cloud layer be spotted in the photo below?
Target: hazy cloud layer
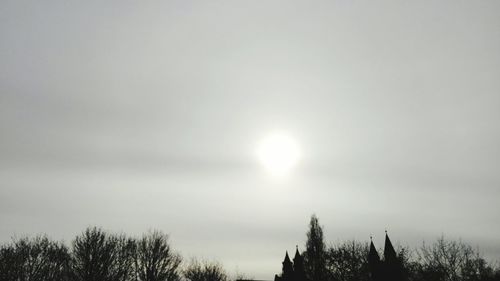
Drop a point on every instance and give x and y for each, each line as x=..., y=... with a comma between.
x=135, y=115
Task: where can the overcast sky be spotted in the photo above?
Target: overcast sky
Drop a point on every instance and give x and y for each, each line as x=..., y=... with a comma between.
x=137, y=115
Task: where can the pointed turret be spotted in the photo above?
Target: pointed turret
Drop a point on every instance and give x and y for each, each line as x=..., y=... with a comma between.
x=394, y=270
x=389, y=252
x=374, y=263
x=287, y=258
x=287, y=273
x=297, y=254
x=373, y=256
x=298, y=266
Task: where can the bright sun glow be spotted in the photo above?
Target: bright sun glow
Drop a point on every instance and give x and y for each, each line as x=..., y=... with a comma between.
x=278, y=153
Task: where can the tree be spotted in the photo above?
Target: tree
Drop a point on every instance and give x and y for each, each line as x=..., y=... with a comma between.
x=314, y=259
x=205, y=271
x=99, y=256
x=123, y=265
x=348, y=261
x=36, y=259
x=11, y=264
x=155, y=260
x=242, y=276
x=452, y=261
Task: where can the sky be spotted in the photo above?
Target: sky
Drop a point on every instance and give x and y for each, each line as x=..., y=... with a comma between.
x=138, y=115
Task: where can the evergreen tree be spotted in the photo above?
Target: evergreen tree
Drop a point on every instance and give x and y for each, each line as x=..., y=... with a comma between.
x=315, y=255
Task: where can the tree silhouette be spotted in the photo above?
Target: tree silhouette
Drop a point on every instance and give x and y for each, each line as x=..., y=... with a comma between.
x=36, y=259
x=96, y=255
x=125, y=251
x=452, y=260
x=99, y=256
x=155, y=260
x=205, y=271
x=314, y=259
x=10, y=266
x=348, y=261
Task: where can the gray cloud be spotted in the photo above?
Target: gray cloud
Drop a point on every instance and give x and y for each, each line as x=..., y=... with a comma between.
x=137, y=115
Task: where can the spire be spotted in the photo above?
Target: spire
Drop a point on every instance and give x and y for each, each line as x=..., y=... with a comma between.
x=298, y=266
x=373, y=256
x=374, y=262
x=287, y=258
x=287, y=268
x=393, y=266
x=389, y=252
x=297, y=254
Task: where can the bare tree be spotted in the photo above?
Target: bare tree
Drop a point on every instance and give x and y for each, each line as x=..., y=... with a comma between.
x=205, y=271
x=34, y=259
x=453, y=261
x=99, y=256
x=242, y=276
x=155, y=260
x=123, y=264
x=11, y=264
x=348, y=261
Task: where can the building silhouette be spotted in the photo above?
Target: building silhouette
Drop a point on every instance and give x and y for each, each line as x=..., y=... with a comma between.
x=390, y=268
x=292, y=271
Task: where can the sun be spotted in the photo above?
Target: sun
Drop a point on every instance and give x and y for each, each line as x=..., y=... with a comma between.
x=278, y=153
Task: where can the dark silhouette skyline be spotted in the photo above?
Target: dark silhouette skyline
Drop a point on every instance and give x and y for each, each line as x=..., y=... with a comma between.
x=98, y=255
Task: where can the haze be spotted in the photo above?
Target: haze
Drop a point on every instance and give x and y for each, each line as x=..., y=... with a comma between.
x=134, y=115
